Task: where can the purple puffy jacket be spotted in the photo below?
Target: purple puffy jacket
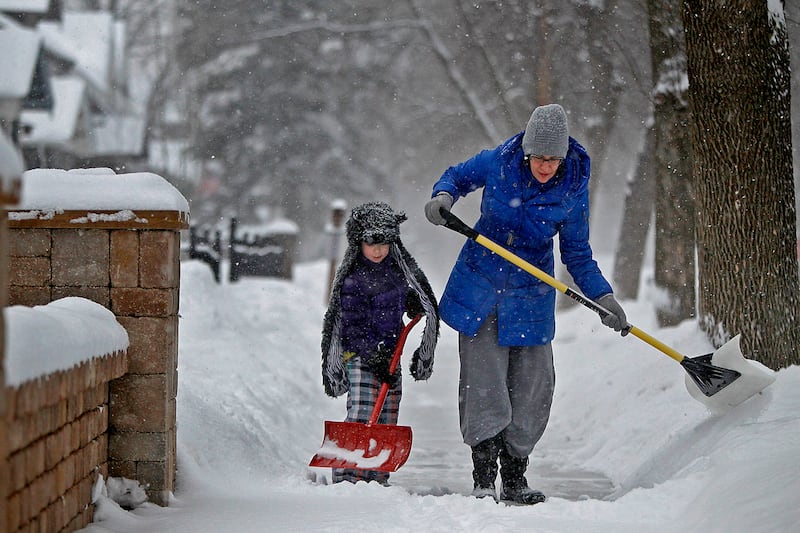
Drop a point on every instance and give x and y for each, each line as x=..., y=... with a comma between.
x=373, y=299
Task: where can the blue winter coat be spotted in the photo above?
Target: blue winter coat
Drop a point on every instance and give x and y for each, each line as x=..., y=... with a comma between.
x=522, y=215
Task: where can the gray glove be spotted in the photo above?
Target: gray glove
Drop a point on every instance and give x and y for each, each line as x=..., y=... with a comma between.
x=616, y=318
x=442, y=199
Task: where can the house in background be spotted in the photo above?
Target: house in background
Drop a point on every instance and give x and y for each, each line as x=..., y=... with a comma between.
x=89, y=119
x=21, y=83
x=30, y=12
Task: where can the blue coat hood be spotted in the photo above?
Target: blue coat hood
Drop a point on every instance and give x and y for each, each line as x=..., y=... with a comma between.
x=522, y=215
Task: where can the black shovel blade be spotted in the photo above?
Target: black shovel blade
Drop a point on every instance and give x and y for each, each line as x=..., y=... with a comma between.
x=709, y=379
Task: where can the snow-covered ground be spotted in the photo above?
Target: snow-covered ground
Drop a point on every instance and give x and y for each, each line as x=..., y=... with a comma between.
x=627, y=448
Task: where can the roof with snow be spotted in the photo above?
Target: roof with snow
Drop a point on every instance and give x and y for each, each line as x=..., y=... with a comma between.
x=17, y=68
x=92, y=37
x=59, y=125
x=11, y=167
x=25, y=6
x=87, y=119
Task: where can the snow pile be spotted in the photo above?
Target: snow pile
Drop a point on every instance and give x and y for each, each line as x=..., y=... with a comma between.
x=127, y=493
x=58, y=336
x=627, y=448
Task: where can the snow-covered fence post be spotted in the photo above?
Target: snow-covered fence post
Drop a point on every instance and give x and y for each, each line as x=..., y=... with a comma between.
x=115, y=240
x=335, y=230
x=265, y=249
x=206, y=248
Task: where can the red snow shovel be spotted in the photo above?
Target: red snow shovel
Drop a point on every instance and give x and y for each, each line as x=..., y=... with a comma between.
x=717, y=387
x=370, y=446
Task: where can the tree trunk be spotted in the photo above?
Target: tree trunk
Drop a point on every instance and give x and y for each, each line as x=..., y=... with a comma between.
x=629, y=258
x=674, y=194
x=595, y=23
x=675, y=219
x=738, y=65
x=595, y=19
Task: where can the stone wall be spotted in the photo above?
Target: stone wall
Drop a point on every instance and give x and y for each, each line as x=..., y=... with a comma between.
x=131, y=267
x=57, y=443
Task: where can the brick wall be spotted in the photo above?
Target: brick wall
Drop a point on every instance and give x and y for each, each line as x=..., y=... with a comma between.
x=57, y=444
x=3, y=395
x=10, y=187
x=133, y=269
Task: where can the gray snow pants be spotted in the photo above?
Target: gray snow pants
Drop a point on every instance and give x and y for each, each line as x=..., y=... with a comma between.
x=504, y=390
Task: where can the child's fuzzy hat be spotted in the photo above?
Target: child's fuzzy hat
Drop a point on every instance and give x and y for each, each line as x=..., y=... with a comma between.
x=374, y=223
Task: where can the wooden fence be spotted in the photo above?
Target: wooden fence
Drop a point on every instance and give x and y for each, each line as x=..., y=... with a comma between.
x=253, y=250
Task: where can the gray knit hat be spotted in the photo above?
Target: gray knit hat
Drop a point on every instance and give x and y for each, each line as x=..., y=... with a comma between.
x=546, y=132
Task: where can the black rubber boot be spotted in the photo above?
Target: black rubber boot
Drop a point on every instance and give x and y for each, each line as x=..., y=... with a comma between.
x=515, y=486
x=484, y=467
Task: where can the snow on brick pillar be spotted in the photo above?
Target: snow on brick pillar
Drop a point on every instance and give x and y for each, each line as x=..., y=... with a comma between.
x=114, y=239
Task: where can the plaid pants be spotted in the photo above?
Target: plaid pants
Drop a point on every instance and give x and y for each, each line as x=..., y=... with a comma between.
x=361, y=399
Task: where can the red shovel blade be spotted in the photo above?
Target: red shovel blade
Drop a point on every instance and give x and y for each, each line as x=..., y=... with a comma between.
x=381, y=447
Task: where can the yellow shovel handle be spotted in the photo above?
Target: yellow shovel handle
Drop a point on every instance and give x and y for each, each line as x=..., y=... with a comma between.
x=454, y=223
x=520, y=262
x=657, y=344
x=556, y=284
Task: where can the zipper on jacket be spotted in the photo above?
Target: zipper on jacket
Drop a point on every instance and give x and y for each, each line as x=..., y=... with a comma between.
x=510, y=239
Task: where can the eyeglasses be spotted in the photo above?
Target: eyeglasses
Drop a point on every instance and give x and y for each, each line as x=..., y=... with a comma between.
x=542, y=160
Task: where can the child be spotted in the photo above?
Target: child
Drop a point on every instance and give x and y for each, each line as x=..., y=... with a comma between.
x=377, y=282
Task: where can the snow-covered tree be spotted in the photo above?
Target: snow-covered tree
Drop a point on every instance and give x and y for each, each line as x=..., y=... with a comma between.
x=739, y=88
x=289, y=105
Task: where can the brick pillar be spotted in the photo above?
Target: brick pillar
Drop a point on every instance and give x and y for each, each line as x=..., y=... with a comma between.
x=145, y=274
x=130, y=264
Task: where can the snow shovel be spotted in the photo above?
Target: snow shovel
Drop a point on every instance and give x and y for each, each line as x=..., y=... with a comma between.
x=370, y=446
x=707, y=379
